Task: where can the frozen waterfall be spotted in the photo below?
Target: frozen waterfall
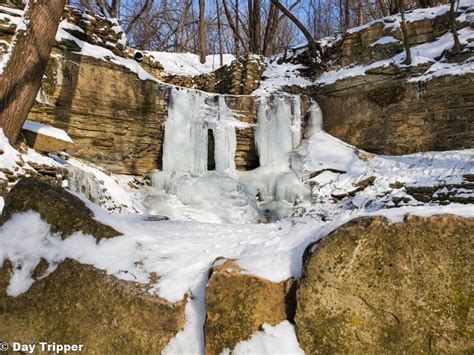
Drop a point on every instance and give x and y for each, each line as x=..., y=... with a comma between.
x=278, y=129
x=190, y=115
x=186, y=190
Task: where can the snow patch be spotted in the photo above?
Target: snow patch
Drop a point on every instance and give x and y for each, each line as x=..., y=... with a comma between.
x=46, y=130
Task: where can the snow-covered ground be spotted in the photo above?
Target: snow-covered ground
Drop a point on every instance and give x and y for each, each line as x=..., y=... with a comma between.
x=181, y=252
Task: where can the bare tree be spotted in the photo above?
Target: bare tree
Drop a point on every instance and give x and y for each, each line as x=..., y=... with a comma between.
x=219, y=34
x=457, y=47
x=202, y=32
x=312, y=45
x=146, y=6
x=29, y=55
x=406, y=40
x=234, y=26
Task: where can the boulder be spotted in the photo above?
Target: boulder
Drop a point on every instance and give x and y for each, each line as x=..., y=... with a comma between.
x=78, y=304
x=65, y=212
x=238, y=304
x=378, y=287
x=44, y=143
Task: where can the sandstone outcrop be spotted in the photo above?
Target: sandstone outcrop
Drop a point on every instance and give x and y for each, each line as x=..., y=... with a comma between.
x=65, y=212
x=387, y=114
x=376, y=287
x=78, y=304
x=237, y=304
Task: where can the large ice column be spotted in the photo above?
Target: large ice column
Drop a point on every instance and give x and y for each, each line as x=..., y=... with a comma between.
x=315, y=122
x=278, y=129
x=224, y=138
x=185, y=142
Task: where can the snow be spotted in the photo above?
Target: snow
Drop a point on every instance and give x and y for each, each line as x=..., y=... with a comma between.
x=181, y=253
x=414, y=15
x=280, y=339
x=188, y=63
x=46, y=130
x=385, y=40
x=12, y=160
x=278, y=75
x=100, y=188
x=429, y=52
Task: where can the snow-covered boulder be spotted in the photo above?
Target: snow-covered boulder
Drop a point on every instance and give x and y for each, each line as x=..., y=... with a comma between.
x=45, y=138
x=378, y=287
x=65, y=212
x=79, y=304
x=238, y=304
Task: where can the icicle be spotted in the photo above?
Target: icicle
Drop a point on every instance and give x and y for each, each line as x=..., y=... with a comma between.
x=296, y=121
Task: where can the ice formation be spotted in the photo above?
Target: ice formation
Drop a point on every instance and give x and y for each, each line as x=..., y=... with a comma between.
x=278, y=129
x=186, y=190
x=185, y=143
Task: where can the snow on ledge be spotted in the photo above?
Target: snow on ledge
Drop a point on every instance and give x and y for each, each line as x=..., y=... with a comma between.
x=46, y=130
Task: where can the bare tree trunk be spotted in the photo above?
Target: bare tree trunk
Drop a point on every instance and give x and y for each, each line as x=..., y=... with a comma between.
x=270, y=29
x=382, y=8
x=406, y=41
x=236, y=33
x=457, y=47
x=201, y=30
x=360, y=13
x=312, y=45
x=257, y=7
x=251, y=26
x=21, y=78
x=219, y=33
x=346, y=15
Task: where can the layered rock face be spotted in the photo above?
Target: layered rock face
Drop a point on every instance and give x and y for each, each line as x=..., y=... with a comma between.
x=387, y=110
x=386, y=114
x=241, y=77
x=376, y=287
x=114, y=118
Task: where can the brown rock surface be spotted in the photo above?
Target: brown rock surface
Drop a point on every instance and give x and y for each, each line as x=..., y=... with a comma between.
x=378, y=288
x=237, y=304
x=78, y=304
x=385, y=114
